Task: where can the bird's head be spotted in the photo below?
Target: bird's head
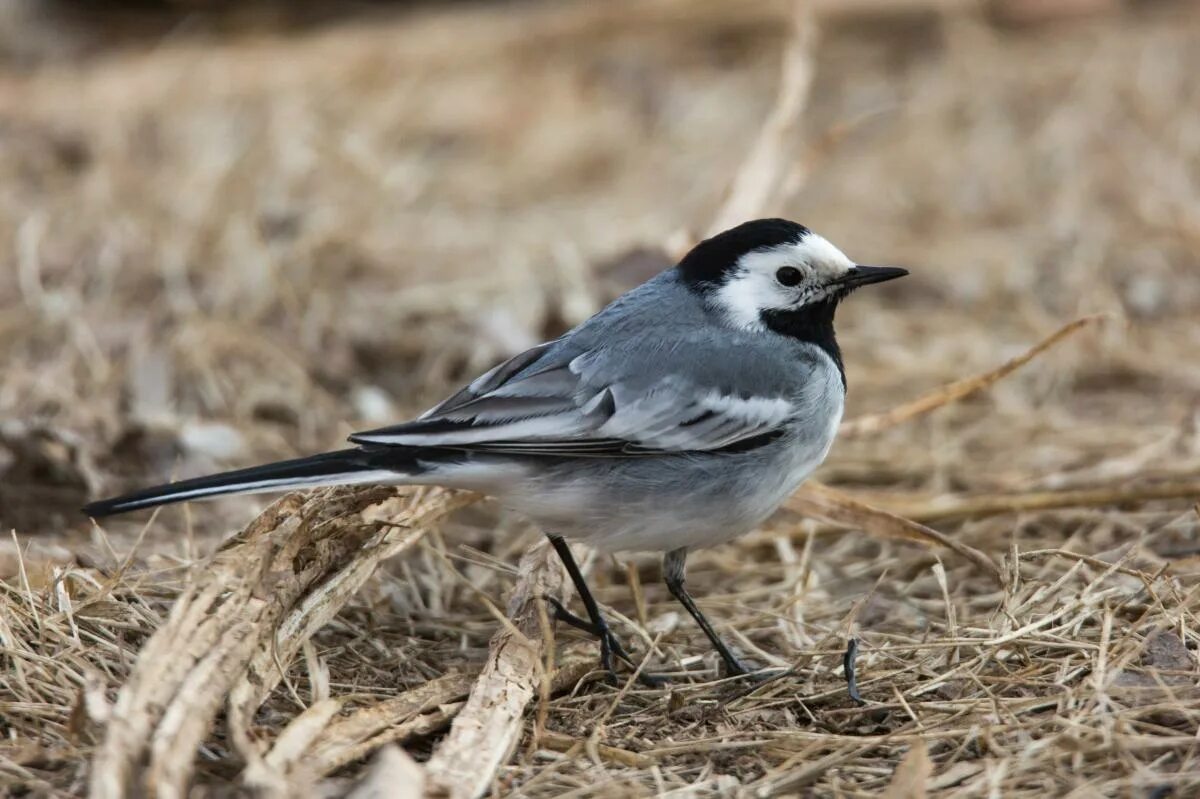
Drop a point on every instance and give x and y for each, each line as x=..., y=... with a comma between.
x=772, y=273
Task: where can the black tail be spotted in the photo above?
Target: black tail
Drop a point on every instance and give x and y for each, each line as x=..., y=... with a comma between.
x=343, y=467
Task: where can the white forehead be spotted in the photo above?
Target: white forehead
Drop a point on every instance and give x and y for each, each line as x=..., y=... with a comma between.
x=812, y=251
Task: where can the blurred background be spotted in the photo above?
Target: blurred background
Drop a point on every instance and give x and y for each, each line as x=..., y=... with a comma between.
x=234, y=231
x=231, y=232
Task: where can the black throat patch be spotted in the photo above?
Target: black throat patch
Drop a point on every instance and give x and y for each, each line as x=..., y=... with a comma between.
x=812, y=323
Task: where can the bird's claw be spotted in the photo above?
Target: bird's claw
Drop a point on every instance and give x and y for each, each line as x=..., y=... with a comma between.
x=609, y=645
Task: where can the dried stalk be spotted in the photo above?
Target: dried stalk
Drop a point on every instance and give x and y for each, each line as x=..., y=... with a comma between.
x=757, y=180
x=961, y=389
x=558, y=742
x=258, y=600
x=952, y=507
x=393, y=775
x=310, y=612
x=342, y=741
x=821, y=501
x=487, y=730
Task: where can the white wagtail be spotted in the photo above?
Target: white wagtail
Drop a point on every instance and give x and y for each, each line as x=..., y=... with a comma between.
x=679, y=416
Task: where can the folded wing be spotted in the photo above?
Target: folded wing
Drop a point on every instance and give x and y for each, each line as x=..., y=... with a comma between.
x=549, y=401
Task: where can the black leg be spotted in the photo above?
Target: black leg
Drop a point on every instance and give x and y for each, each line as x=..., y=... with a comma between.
x=848, y=666
x=609, y=644
x=673, y=563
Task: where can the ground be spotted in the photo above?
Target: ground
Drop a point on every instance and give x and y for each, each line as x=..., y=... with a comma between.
x=225, y=249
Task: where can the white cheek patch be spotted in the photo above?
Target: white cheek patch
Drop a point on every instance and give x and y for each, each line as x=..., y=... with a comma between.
x=753, y=288
x=742, y=299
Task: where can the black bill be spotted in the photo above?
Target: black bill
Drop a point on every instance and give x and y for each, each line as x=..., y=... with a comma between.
x=866, y=275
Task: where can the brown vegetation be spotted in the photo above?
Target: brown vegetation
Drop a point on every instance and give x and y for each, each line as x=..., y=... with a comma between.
x=228, y=251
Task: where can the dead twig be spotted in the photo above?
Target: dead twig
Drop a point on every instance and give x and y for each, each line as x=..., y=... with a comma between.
x=488, y=728
x=414, y=517
x=260, y=597
x=820, y=501
x=393, y=775
x=758, y=178
x=950, y=507
x=558, y=742
x=961, y=389
x=381, y=723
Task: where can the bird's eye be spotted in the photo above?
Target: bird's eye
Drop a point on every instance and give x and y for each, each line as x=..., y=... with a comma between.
x=789, y=276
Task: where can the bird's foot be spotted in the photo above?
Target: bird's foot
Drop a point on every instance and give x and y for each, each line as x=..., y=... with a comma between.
x=609, y=645
x=731, y=666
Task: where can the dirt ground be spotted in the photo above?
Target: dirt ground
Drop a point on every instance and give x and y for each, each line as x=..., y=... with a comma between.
x=218, y=250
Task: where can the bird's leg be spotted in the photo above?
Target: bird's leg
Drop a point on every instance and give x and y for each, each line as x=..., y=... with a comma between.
x=673, y=563
x=609, y=644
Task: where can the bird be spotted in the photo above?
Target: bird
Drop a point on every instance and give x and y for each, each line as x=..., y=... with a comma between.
x=678, y=417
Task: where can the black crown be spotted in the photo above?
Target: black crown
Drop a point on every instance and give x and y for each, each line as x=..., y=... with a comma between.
x=712, y=259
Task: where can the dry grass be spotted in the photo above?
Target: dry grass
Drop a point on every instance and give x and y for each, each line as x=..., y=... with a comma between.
x=226, y=252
